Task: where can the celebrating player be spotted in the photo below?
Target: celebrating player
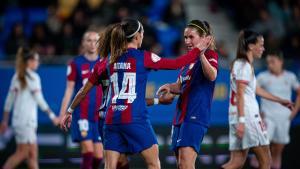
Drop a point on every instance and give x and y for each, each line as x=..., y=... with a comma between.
x=25, y=94
x=195, y=87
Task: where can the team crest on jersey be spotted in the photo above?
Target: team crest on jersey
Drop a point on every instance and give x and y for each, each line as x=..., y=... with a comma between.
x=155, y=58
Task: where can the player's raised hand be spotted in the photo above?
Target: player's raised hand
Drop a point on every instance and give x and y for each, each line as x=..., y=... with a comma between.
x=66, y=120
x=204, y=43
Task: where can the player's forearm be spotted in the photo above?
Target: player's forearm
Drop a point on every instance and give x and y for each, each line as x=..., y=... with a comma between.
x=80, y=95
x=297, y=102
x=240, y=104
x=209, y=71
x=266, y=95
x=66, y=101
x=152, y=101
x=175, y=88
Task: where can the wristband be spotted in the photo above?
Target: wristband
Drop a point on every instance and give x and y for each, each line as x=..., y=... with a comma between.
x=242, y=119
x=70, y=110
x=155, y=101
x=52, y=115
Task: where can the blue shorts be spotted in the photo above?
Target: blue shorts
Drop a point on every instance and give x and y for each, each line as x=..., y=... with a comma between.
x=82, y=129
x=187, y=135
x=100, y=127
x=129, y=138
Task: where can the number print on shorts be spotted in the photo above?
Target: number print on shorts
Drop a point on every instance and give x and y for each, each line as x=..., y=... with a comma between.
x=128, y=84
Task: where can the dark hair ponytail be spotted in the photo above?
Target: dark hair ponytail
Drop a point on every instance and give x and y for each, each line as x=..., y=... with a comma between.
x=23, y=55
x=115, y=38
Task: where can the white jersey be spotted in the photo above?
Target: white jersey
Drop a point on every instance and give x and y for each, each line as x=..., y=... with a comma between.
x=25, y=101
x=280, y=86
x=242, y=72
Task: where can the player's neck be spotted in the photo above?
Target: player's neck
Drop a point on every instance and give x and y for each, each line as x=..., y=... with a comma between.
x=277, y=73
x=250, y=56
x=132, y=45
x=91, y=56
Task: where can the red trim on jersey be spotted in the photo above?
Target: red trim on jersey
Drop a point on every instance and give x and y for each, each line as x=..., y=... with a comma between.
x=232, y=98
x=212, y=58
x=242, y=81
x=85, y=71
x=164, y=63
x=126, y=115
x=71, y=76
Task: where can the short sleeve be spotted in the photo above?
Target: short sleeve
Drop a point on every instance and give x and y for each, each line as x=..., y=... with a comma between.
x=242, y=71
x=71, y=71
x=295, y=82
x=212, y=58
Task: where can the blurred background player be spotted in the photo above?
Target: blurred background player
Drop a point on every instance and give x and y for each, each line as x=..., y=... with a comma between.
x=84, y=128
x=277, y=118
x=246, y=128
x=195, y=87
x=24, y=95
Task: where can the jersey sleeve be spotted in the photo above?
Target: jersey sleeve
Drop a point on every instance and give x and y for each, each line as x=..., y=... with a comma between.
x=243, y=72
x=11, y=95
x=71, y=71
x=98, y=69
x=153, y=61
x=212, y=58
x=295, y=82
x=38, y=95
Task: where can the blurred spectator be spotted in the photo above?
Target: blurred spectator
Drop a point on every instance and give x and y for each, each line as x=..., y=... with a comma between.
x=68, y=42
x=175, y=14
x=15, y=39
x=41, y=42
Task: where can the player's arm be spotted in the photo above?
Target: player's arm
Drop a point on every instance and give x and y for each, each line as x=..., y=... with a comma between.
x=262, y=93
x=209, y=65
x=153, y=61
x=165, y=99
x=297, y=105
x=7, y=107
x=240, y=101
x=39, y=97
x=67, y=97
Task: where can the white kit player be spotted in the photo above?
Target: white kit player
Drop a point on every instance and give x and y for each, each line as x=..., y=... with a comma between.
x=246, y=128
x=280, y=83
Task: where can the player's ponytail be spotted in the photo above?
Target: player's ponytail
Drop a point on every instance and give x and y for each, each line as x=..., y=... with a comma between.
x=121, y=35
x=104, y=41
x=204, y=29
x=118, y=43
x=23, y=55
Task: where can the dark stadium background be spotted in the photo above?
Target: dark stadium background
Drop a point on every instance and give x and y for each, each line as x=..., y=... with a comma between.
x=54, y=28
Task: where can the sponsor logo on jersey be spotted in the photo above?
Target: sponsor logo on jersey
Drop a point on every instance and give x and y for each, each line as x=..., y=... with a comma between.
x=84, y=72
x=119, y=107
x=191, y=66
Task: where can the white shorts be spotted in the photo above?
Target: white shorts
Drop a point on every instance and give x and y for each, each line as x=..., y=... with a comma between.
x=255, y=135
x=278, y=130
x=25, y=135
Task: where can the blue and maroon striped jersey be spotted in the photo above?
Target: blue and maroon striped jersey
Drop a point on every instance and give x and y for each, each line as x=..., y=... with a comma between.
x=79, y=71
x=194, y=103
x=128, y=79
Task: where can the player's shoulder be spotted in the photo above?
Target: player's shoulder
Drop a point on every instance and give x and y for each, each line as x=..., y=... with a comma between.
x=289, y=74
x=241, y=64
x=211, y=53
x=264, y=73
